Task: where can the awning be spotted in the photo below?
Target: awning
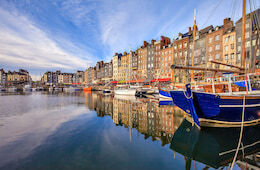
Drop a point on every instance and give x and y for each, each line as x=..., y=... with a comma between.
x=137, y=81
x=122, y=81
x=114, y=82
x=76, y=83
x=161, y=80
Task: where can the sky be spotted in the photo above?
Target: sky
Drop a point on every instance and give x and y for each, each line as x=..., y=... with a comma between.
x=71, y=35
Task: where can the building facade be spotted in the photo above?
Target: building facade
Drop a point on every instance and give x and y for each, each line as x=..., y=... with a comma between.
x=251, y=54
x=181, y=47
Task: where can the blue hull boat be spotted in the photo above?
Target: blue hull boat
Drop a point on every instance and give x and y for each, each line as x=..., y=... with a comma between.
x=207, y=109
x=164, y=94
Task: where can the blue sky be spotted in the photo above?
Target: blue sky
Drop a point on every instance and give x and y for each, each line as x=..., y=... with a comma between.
x=70, y=35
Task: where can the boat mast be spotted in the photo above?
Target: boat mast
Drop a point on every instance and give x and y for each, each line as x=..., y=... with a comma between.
x=193, y=43
x=243, y=34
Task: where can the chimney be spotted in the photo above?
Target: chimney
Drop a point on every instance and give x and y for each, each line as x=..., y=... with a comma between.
x=189, y=30
x=228, y=23
x=125, y=53
x=145, y=43
x=152, y=41
x=116, y=54
x=226, y=20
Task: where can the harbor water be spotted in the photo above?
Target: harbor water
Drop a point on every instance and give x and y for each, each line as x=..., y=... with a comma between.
x=58, y=130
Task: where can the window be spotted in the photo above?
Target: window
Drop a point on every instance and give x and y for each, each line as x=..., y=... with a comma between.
x=210, y=49
x=185, y=44
x=239, y=48
x=210, y=57
x=216, y=37
x=217, y=56
x=232, y=46
x=226, y=39
x=248, y=44
x=175, y=47
x=226, y=48
x=232, y=38
x=226, y=57
x=217, y=47
x=175, y=54
x=180, y=46
x=210, y=39
x=238, y=57
x=232, y=56
x=180, y=54
x=185, y=53
x=253, y=42
x=247, y=35
x=239, y=39
x=196, y=61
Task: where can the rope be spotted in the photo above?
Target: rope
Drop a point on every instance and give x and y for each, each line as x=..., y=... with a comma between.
x=241, y=133
x=186, y=95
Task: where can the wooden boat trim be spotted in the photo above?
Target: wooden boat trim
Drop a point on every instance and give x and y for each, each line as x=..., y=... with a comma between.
x=252, y=105
x=239, y=97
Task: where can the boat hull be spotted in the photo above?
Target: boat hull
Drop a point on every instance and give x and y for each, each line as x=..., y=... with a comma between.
x=164, y=94
x=127, y=92
x=220, y=111
x=87, y=88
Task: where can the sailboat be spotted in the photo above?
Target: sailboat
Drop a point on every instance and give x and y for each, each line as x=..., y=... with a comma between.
x=223, y=109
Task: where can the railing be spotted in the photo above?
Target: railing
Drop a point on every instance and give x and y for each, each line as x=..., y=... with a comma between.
x=242, y=83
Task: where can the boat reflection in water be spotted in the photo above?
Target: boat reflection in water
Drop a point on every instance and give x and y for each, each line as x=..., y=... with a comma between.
x=161, y=120
x=215, y=147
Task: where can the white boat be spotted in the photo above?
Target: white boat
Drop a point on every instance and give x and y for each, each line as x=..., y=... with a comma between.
x=71, y=89
x=125, y=90
x=12, y=89
x=27, y=88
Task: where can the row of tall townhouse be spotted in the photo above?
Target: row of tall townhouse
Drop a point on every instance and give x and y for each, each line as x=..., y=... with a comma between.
x=153, y=60
x=52, y=78
x=102, y=72
x=14, y=77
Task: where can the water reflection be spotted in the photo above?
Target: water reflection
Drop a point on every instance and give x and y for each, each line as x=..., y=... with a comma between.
x=214, y=147
x=150, y=117
x=162, y=121
x=92, y=131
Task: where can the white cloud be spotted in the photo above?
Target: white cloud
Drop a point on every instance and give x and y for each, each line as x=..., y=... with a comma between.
x=24, y=44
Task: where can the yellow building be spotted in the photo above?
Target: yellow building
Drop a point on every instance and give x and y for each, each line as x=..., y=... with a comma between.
x=123, y=67
x=229, y=48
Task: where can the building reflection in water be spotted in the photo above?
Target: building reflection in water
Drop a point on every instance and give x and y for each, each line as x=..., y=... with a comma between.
x=165, y=122
x=145, y=115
